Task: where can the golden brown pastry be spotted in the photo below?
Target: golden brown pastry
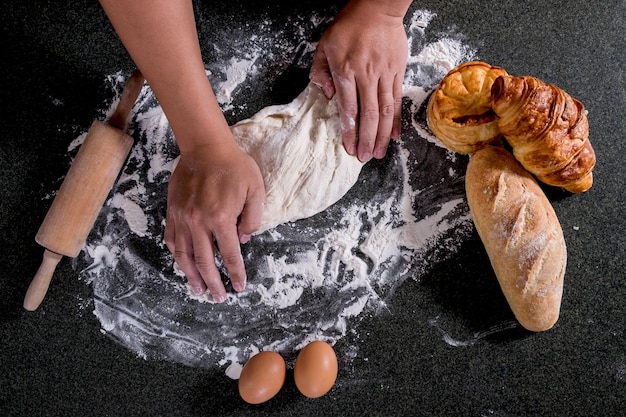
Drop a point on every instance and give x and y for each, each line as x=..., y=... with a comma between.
x=547, y=130
x=521, y=233
x=459, y=111
x=476, y=104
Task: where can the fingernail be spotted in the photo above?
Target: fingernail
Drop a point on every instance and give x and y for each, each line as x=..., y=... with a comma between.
x=351, y=149
x=239, y=286
x=366, y=157
x=243, y=238
x=380, y=153
x=219, y=298
x=198, y=290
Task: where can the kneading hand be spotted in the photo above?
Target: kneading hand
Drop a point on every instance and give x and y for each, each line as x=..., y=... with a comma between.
x=362, y=58
x=215, y=200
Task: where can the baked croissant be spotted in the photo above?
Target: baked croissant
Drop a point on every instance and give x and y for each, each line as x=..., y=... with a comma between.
x=547, y=130
x=476, y=104
x=459, y=111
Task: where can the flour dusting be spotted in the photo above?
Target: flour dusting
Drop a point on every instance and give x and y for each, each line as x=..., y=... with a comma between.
x=315, y=278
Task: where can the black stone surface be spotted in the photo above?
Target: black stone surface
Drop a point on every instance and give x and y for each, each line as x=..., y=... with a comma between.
x=56, y=362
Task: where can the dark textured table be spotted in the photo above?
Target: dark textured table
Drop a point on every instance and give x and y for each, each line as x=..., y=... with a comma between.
x=56, y=361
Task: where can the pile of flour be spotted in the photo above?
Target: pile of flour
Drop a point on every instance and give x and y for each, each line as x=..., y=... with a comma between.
x=314, y=278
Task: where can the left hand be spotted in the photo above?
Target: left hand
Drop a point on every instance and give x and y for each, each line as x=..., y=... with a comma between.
x=362, y=58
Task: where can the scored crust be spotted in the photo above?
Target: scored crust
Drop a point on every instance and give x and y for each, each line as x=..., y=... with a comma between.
x=521, y=234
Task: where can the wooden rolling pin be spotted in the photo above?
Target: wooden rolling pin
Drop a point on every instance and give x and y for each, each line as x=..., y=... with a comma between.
x=84, y=190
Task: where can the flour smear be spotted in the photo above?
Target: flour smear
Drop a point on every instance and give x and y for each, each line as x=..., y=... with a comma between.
x=311, y=279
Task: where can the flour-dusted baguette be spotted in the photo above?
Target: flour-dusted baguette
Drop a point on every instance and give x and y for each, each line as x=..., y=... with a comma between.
x=521, y=233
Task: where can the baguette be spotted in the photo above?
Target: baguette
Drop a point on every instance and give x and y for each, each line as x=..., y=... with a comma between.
x=521, y=234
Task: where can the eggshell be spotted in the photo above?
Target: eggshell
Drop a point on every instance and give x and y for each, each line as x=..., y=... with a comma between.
x=315, y=370
x=262, y=377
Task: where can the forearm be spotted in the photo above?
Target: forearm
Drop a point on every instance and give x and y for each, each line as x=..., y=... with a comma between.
x=161, y=37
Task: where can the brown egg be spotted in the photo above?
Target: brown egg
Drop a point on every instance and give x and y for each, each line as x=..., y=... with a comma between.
x=262, y=377
x=315, y=370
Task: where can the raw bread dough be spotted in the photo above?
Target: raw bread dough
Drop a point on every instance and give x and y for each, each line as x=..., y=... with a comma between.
x=299, y=151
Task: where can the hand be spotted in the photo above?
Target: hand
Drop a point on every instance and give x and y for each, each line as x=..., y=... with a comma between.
x=362, y=58
x=216, y=193
x=215, y=196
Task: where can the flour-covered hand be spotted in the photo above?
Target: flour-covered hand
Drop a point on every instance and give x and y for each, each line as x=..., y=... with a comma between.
x=215, y=201
x=362, y=59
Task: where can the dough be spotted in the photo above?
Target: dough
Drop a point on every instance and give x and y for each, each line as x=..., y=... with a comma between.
x=299, y=151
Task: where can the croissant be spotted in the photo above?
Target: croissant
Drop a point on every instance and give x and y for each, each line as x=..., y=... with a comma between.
x=547, y=130
x=459, y=111
x=477, y=104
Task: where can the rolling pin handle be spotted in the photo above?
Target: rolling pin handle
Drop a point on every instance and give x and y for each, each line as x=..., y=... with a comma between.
x=39, y=285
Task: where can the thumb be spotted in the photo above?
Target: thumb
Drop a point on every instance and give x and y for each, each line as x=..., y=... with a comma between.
x=320, y=73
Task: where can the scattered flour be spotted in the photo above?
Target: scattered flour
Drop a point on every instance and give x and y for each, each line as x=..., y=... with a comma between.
x=237, y=71
x=314, y=278
x=445, y=53
x=133, y=213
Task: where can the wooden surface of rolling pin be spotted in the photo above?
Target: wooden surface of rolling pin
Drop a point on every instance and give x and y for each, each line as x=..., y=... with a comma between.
x=83, y=191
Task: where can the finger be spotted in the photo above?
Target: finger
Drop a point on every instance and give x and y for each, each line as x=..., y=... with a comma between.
x=204, y=261
x=386, y=115
x=183, y=255
x=230, y=250
x=251, y=215
x=369, y=115
x=320, y=73
x=396, y=129
x=169, y=236
x=348, y=111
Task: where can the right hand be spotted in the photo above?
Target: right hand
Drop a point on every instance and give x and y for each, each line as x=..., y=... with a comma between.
x=216, y=193
x=215, y=200
x=362, y=58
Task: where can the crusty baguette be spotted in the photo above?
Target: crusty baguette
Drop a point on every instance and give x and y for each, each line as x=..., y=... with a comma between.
x=521, y=233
